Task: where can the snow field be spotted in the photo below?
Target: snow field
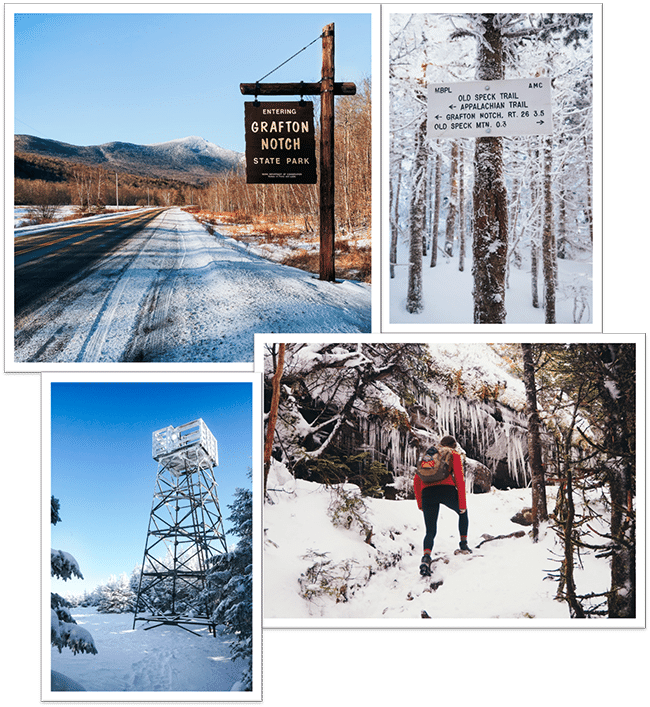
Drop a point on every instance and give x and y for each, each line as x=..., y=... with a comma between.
x=166, y=658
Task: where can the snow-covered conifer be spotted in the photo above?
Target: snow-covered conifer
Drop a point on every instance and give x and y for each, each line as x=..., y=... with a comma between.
x=230, y=584
x=117, y=596
x=65, y=633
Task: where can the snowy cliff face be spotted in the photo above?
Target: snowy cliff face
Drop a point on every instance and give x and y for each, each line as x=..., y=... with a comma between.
x=467, y=392
x=491, y=435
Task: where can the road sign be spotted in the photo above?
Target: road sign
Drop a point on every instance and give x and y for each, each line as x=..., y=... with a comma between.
x=490, y=108
x=280, y=142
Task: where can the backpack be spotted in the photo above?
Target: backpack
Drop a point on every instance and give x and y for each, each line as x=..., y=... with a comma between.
x=436, y=464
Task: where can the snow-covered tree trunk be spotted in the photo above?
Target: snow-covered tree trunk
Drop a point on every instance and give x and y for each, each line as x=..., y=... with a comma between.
x=436, y=211
x=534, y=273
x=490, y=248
x=548, y=240
x=414, y=303
x=535, y=230
x=461, y=208
x=540, y=513
x=588, y=162
x=394, y=221
x=450, y=226
x=561, y=240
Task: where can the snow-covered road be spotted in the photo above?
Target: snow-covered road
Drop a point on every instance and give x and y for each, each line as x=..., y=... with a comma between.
x=175, y=293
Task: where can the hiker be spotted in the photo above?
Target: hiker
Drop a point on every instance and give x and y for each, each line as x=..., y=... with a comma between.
x=450, y=492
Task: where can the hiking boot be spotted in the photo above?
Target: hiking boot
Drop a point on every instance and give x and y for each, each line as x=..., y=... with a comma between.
x=464, y=547
x=425, y=565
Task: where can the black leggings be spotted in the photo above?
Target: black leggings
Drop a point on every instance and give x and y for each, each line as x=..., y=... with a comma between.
x=432, y=497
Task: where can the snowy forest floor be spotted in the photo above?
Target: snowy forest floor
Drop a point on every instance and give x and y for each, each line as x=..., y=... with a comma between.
x=163, y=659
x=503, y=579
x=447, y=293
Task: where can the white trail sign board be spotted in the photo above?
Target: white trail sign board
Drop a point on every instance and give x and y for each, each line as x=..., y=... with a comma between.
x=490, y=108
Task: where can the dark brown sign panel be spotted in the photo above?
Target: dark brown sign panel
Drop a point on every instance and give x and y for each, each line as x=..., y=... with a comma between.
x=280, y=143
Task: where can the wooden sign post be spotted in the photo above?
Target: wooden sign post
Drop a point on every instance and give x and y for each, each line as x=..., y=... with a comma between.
x=326, y=89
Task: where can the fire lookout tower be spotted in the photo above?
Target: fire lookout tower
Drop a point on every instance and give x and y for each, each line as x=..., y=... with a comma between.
x=185, y=529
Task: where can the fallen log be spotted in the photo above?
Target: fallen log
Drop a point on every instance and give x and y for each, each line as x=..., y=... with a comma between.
x=488, y=538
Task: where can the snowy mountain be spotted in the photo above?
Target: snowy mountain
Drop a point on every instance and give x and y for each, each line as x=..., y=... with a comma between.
x=191, y=159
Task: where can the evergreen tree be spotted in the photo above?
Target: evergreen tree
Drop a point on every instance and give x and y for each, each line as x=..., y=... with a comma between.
x=65, y=633
x=230, y=584
x=587, y=394
x=116, y=597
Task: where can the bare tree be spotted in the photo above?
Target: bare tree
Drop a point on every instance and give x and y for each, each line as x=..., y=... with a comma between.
x=273, y=413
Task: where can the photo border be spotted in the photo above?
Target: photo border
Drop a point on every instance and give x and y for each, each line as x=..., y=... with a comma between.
x=47, y=695
x=441, y=623
x=596, y=324
x=372, y=10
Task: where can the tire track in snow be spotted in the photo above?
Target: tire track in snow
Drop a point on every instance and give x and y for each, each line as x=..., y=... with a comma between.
x=94, y=344
x=148, y=340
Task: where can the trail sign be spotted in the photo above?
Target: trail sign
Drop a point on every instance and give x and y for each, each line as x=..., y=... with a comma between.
x=490, y=108
x=280, y=142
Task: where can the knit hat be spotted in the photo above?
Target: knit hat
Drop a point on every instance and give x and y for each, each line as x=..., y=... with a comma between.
x=448, y=441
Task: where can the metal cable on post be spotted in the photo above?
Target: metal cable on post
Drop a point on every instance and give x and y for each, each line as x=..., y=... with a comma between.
x=290, y=58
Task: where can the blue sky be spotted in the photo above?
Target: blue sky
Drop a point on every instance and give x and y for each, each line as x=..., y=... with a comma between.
x=89, y=79
x=103, y=473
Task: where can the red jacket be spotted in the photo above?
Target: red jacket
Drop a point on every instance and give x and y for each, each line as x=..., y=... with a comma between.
x=456, y=479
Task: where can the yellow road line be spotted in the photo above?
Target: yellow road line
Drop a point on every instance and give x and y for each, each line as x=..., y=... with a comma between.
x=82, y=226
